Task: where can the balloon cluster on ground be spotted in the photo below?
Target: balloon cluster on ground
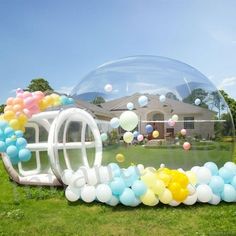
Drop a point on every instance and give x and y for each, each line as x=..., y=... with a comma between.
x=15, y=117
x=135, y=185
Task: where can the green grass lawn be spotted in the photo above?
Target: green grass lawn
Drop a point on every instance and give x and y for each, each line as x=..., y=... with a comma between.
x=45, y=211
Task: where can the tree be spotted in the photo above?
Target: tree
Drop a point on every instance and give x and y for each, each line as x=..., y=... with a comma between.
x=172, y=96
x=2, y=108
x=231, y=103
x=197, y=93
x=39, y=84
x=98, y=100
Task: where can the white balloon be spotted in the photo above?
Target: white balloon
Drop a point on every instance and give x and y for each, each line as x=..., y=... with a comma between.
x=128, y=120
x=136, y=202
x=194, y=169
x=108, y=87
x=72, y=194
x=174, y=203
x=88, y=193
x=91, y=176
x=140, y=167
x=77, y=179
x=191, y=189
x=175, y=117
x=143, y=101
x=197, y=101
x=215, y=200
x=113, y=201
x=162, y=98
x=203, y=175
x=204, y=193
x=191, y=199
x=105, y=175
x=103, y=193
x=66, y=176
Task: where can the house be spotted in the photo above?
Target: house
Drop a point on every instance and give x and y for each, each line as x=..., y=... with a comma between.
x=195, y=119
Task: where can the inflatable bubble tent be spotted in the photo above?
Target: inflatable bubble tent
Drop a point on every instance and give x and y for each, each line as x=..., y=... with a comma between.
x=126, y=115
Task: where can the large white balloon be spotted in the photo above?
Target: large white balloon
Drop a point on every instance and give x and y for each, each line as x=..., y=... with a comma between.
x=88, y=193
x=105, y=175
x=191, y=199
x=204, y=193
x=203, y=175
x=174, y=203
x=215, y=200
x=66, y=176
x=128, y=120
x=72, y=194
x=103, y=193
x=113, y=201
x=77, y=179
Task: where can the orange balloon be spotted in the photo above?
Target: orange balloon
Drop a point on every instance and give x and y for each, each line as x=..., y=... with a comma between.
x=17, y=108
x=19, y=101
x=10, y=101
x=8, y=108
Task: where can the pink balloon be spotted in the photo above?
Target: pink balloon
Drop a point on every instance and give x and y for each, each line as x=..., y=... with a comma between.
x=27, y=113
x=29, y=102
x=34, y=109
x=186, y=146
x=171, y=122
x=38, y=95
x=183, y=131
x=140, y=137
x=26, y=94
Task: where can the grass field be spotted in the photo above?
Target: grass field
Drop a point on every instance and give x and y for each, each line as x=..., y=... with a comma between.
x=45, y=211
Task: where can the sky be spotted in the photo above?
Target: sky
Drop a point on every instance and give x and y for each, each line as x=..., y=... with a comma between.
x=63, y=40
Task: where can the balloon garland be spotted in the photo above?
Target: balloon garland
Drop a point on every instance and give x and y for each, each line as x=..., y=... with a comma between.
x=16, y=114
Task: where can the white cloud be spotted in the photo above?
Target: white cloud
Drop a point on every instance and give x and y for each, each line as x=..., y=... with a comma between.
x=227, y=82
x=65, y=89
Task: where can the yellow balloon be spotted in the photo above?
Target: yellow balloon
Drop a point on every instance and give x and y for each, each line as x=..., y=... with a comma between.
x=42, y=105
x=149, y=179
x=120, y=157
x=128, y=137
x=166, y=178
x=1, y=117
x=166, y=197
x=149, y=198
x=191, y=177
x=155, y=134
x=48, y=100
x=159, y=187
x=9, y=115
x=14, y=123
x=22, y=118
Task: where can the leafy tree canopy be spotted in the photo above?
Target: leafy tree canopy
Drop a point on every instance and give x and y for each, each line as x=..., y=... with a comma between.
x=98, y=100
x=39, y=84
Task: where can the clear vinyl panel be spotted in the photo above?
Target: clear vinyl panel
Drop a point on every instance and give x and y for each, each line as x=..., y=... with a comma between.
x=167, y=112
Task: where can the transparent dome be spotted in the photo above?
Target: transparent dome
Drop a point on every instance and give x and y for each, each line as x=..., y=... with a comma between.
x=152, y=110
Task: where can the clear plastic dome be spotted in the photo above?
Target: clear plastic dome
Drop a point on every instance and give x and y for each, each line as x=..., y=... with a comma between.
x=152, y=110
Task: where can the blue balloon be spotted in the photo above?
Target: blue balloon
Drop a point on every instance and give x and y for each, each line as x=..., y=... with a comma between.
x=19, y=133
x=229, y=193
x=216, y=184
x=130, y=175
x=10, y=141
x=143, y=101
x=3, y=124
x=2, y=135
x=114, y=169
x=63, y=100
x=21, y=143
x=8, y=131
x=212, y=167
x=3, y=146
x=24, y=154
x=12, y=151
x=231, y=166
x=149, y=128
x=233, y=182
x=136, y=202
x=139, y=188
x=226, y=174
x=127, y=198
x=135, y=133
x=14, y=160
x=117, y=185
x=70, y=101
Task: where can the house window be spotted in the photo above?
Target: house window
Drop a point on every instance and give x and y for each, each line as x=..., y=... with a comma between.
x=189, y=122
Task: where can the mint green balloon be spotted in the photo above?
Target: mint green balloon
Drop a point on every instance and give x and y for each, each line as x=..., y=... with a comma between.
x=128, y=120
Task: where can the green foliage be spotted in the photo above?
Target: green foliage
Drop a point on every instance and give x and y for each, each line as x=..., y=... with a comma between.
x=231, y=103
x=39, y=84
x=172, y=96
x=2, y=108
x=98, y=100
x=197, y=93
x=113, y=137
